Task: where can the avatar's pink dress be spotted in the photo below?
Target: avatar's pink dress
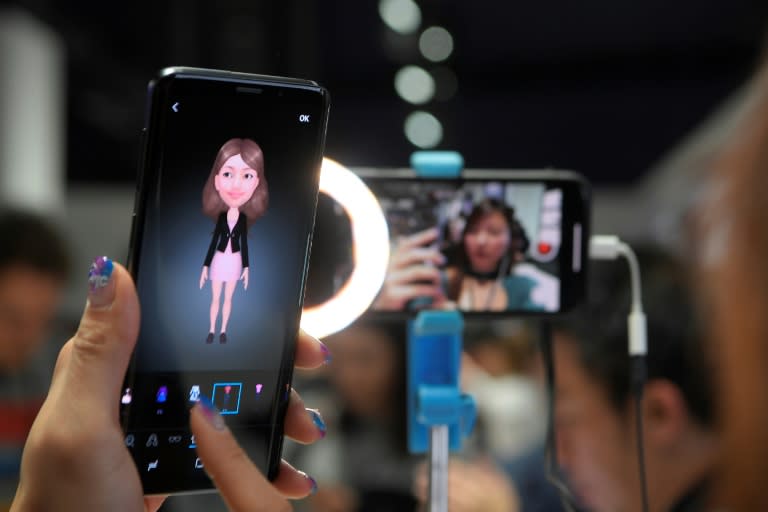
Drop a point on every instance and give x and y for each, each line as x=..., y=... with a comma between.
x=227, y=265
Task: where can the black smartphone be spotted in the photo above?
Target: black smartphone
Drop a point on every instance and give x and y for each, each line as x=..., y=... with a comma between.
x=224, y=213
x=490, y=242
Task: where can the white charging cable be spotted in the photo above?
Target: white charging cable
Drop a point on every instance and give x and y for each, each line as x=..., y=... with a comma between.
x=610, y=247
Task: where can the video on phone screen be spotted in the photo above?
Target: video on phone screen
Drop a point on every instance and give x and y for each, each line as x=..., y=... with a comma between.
x=487, y=246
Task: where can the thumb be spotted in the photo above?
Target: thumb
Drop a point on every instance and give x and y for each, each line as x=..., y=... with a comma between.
x=99, y=352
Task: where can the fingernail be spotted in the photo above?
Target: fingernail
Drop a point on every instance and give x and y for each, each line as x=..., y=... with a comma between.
x=211, y=413
x=312, y=481
x=101, y=290
x=328, y=357
x=318, y=421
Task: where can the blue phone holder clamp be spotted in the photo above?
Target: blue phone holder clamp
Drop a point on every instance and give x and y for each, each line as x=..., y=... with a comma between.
x=440, y=416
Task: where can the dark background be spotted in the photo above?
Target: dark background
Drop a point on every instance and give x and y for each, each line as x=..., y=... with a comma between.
x=604, y=87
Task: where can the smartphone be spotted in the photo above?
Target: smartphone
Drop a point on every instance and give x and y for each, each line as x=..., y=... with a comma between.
x=511, y=242
x=224, y=213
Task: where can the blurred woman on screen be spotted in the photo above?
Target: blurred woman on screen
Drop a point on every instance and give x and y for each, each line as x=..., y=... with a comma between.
x=480, y=278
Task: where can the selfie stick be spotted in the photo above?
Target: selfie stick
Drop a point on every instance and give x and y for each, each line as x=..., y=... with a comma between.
x=439, y=415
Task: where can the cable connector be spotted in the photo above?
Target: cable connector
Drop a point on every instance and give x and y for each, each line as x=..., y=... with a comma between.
x=604, y=247
x=610, y=247
x=638, y=335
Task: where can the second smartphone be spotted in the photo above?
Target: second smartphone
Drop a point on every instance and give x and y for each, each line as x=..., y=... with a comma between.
x=509, y=242
x=222, y=230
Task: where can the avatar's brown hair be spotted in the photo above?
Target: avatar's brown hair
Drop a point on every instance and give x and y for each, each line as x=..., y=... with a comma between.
x=252, y=155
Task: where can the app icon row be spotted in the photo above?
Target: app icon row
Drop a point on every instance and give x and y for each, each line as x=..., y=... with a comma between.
x=225, y=396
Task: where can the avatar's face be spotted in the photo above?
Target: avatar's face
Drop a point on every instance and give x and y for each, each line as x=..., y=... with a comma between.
x=487, y=241
x=236, y=182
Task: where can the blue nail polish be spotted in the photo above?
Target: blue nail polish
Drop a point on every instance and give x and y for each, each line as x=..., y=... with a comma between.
x=100, y=272
x=318, y=421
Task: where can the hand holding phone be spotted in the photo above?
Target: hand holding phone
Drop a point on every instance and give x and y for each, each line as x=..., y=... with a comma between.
x=76, y=456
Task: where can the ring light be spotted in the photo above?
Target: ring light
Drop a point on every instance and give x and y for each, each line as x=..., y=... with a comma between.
x=370, y=252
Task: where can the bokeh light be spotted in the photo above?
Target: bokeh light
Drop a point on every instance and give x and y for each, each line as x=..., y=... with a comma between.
x=402, y=16
x=436, y=44
x=414, y=85
x=423, y=129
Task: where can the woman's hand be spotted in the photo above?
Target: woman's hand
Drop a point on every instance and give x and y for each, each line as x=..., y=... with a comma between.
x=203, y=277
x=244, y=277
x=412, y=273
x=75, y=458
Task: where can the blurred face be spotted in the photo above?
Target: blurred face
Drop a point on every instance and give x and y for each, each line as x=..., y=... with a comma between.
x=236, y=182
x=28, y=302
x=595, y=444
x=364, y=368
x=486, y=242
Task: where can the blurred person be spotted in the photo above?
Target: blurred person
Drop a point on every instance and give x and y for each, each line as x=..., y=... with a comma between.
x=499, y=372
x=33, y=271
x=596, y=440
x=595, y=420
x=75, y=458
x=363, y=464
x=731, y=249
x=478, y=273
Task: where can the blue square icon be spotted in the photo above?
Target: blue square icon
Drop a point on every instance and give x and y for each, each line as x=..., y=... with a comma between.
x=226, y=397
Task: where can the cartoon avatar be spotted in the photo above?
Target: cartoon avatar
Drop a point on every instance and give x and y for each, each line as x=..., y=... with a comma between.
x=234, y=196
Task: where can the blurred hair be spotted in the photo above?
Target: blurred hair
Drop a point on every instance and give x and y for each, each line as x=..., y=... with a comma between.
x=676, y=351
x=252, y=155
x=29, y=240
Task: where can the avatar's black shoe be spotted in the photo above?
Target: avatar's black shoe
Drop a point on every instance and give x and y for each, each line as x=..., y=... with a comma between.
x=223, y=338
x=209, y=339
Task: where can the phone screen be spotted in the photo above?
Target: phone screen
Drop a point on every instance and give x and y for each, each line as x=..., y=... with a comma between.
x=484, y=245
x=223, y=224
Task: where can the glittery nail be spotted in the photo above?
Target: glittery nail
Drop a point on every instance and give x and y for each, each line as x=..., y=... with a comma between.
x=100, y=272
x=101, y=290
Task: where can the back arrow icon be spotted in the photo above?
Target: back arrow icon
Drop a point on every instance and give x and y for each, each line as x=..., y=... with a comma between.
x=175, y=107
